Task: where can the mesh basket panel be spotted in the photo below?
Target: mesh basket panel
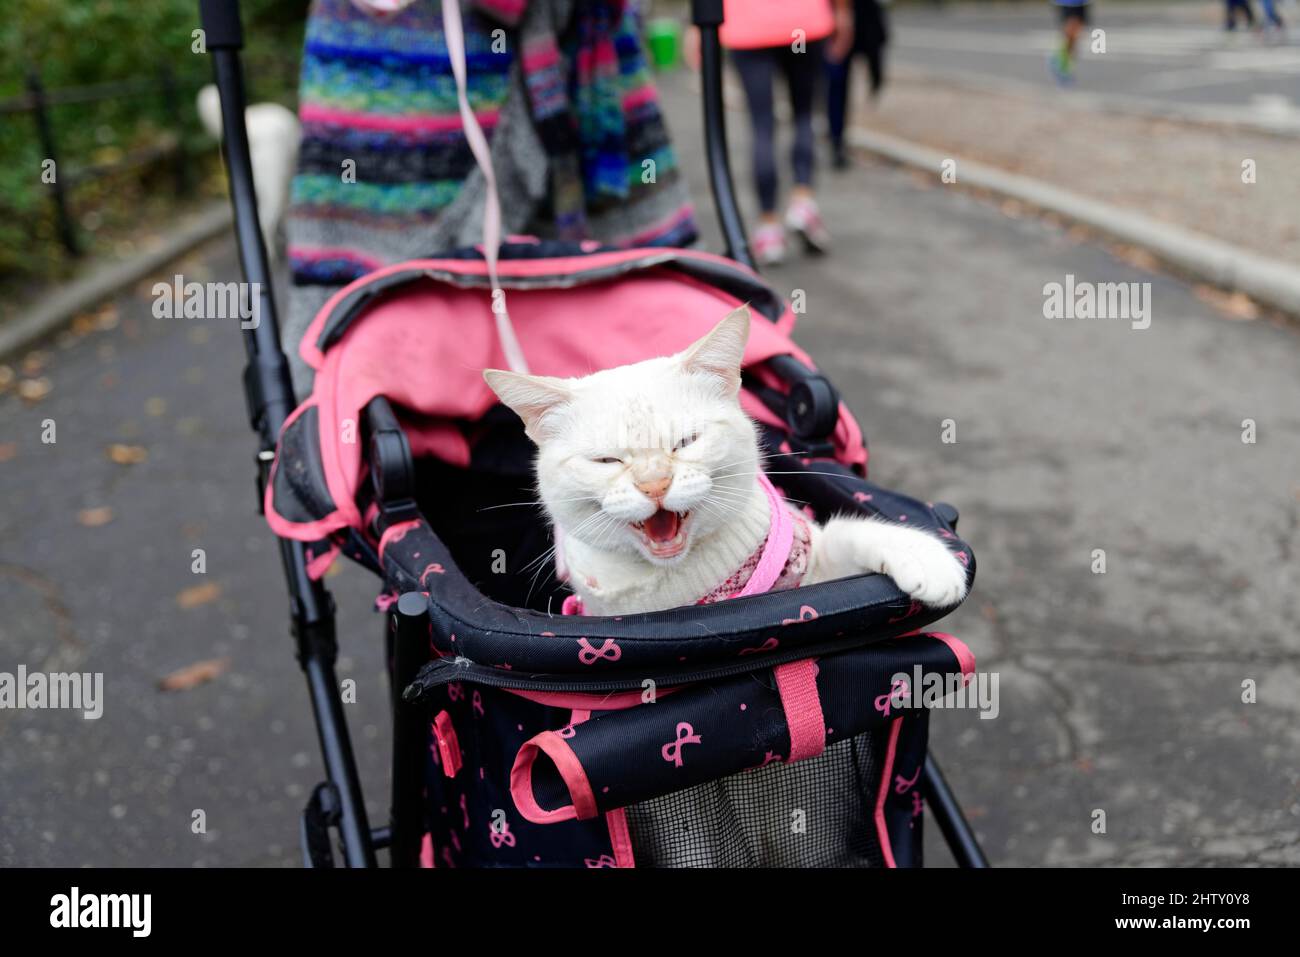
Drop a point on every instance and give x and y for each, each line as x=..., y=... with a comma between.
x=748, y=819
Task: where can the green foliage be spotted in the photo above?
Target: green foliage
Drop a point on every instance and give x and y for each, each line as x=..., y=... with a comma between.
x=75, y=43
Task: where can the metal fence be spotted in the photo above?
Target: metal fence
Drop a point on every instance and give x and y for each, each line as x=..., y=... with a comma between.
x=41, y=103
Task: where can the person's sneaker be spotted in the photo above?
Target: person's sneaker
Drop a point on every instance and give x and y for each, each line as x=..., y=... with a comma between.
x=803, y=218
x=1061, y=68
x=769, y=244
x=839, y=156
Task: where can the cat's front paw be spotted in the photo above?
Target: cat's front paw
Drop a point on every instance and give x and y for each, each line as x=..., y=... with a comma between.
x=925, y=569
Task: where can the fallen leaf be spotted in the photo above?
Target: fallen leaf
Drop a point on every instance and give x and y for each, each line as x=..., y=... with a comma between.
x=198, y=595
x=33, y=363
x=106, y=318
x=33, y=390
x=1137, y=256
x=1234, y=305
x=1241, y=306
x=156, y=406
x=8, y=450
x=127, y=454
x=95, y=517
x=191, y=676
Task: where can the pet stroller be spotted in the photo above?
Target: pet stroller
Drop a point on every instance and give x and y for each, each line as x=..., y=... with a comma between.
x=772, y=728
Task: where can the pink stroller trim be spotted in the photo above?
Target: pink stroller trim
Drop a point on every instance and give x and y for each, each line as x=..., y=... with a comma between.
x=882, y=828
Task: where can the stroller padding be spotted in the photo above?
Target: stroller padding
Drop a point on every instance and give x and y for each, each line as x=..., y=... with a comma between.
x=492, y=643
x=702, y=733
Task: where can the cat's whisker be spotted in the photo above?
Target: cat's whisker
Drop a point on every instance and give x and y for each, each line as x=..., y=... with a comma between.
x=538, y=502
x=838, y=475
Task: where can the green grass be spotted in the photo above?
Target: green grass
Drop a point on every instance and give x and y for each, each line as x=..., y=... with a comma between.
x=74, y=43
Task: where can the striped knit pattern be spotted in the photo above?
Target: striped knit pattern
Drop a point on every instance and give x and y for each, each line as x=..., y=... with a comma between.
x=377, y=97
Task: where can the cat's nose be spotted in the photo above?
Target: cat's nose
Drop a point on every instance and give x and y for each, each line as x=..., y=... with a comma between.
x=656, y=488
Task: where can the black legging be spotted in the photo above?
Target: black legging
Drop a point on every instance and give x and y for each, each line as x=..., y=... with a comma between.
x=758, y=69
x=837, y=86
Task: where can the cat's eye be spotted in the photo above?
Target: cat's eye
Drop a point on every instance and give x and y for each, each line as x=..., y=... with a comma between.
x=608, y=460
x=686, y=441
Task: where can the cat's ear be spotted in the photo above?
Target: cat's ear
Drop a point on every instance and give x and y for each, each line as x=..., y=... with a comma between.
x=720, y=353
x=533, y=397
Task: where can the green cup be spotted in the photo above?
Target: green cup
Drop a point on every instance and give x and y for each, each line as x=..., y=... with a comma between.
x=664, y=36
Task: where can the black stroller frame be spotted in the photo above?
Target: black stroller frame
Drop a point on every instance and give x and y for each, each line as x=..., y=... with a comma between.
x=336, y=809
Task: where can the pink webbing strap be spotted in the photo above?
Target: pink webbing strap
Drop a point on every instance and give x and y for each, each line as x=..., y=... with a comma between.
x=797, y=683
x=478, y=144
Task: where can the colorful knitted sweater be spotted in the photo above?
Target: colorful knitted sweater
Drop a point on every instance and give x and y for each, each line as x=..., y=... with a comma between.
x=562, y=90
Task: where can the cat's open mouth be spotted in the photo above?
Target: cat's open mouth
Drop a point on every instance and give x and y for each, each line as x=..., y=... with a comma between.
x=664, y=532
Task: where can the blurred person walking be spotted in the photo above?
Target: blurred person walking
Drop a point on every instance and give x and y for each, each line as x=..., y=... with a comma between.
x=790, y=37
x=1074, y=15
x=870, y=35
x=1271, y=15
x=1232, y=8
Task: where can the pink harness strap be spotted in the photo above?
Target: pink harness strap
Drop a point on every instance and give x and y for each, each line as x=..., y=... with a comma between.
x=776, y=549
x=796, y=681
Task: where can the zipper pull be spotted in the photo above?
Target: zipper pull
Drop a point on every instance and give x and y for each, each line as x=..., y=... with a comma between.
x=435, y=674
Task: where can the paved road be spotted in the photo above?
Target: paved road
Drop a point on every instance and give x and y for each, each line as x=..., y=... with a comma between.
x=1176, y=53
x=1119, y=692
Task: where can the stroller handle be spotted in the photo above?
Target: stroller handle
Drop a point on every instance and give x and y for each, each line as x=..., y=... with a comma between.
x=708, y=15
x=222, y=27
x=268, y=388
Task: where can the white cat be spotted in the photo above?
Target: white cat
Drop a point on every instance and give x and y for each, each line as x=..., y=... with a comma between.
x=650, y=474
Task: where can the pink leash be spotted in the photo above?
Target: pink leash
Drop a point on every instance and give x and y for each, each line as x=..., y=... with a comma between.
x=478, y=144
